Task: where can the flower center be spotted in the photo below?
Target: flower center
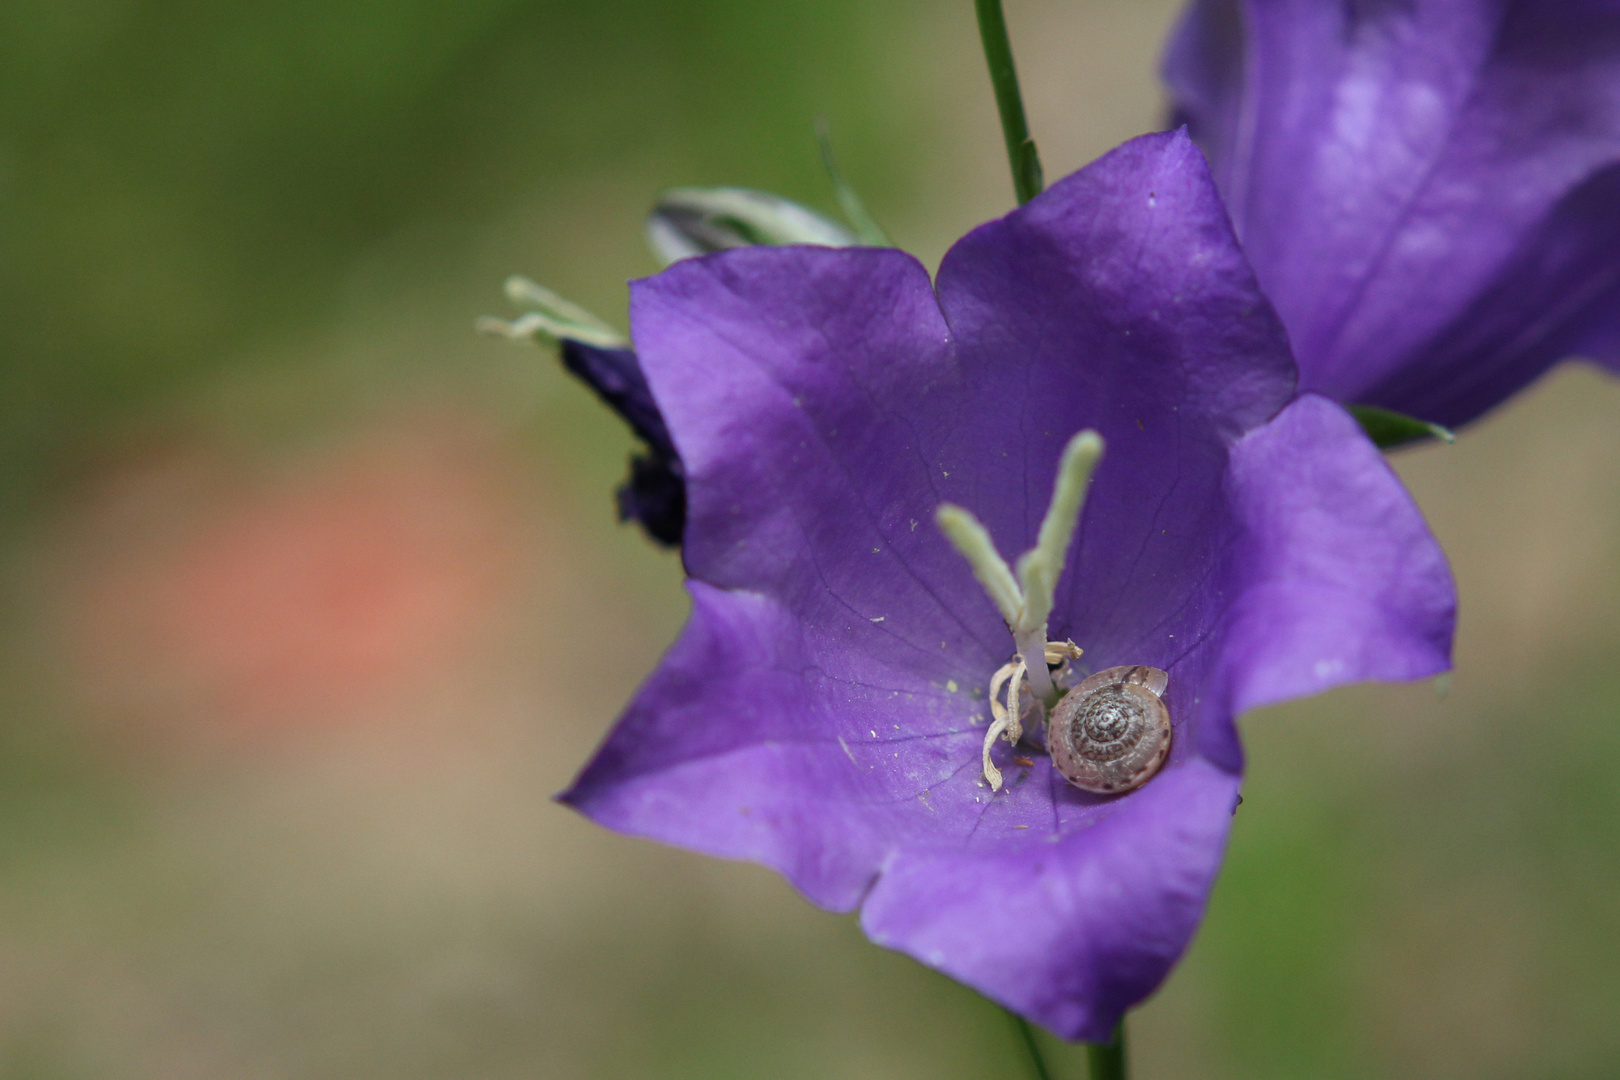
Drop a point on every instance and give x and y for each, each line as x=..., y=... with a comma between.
x=1025, y=601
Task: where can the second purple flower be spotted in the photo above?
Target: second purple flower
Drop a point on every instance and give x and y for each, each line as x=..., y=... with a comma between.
x=1429, y=190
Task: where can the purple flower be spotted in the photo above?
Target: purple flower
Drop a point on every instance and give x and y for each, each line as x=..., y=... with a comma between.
x=824, y=710
x=1429, y=190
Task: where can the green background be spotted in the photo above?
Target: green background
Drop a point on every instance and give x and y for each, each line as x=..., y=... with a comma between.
x=246, y=428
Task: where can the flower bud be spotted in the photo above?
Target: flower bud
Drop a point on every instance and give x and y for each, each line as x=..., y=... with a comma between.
x=697, y=221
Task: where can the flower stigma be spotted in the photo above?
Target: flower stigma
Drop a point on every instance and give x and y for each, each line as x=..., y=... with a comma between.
x=1025, y=600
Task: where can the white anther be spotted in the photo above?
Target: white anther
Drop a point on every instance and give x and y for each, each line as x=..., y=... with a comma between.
x=991, y=773
x=1059, y=653
x=1007, y=718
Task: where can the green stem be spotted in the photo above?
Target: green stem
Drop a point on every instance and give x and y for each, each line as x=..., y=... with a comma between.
x=1108, y=1059
x=1026, y=1034
x=1021, y=154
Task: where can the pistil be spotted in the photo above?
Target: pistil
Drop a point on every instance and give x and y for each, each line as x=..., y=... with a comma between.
x=1025, y=601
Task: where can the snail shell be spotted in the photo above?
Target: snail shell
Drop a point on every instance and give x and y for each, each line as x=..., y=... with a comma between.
x=1111, y=733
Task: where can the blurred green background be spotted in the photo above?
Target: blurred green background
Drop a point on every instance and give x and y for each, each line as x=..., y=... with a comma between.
x=312, y=597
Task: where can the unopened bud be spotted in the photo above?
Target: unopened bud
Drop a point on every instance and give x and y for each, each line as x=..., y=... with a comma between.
x=697, y=221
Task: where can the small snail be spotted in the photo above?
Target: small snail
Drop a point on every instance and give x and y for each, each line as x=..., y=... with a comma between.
x=1111, y=733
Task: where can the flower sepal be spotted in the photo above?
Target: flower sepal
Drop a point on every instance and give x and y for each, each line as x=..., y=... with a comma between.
x=1389, y=429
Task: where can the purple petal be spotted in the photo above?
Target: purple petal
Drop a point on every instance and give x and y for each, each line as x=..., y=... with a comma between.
x=616, y=377
x=1341, y=579
x=1603, y=342
x=1426, y=189
x=732, y=749
x=1560, y=297
x=1075, y=930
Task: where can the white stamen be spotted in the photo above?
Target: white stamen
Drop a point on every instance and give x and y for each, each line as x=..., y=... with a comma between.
x=1059, y=652
x=1008, y=718
x=998, y=711
x=991, y=773
x=1015, y=704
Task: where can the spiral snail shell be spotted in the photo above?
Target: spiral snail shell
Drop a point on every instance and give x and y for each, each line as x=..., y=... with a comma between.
x=1111, y=733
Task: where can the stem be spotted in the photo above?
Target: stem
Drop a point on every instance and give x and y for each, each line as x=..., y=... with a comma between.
x=1021, y=154
x=867, y=230
x=1026, y=1033
x=1031, y=645
x=1108, y=1059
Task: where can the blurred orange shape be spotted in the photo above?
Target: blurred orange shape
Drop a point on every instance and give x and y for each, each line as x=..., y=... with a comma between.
x=339, y=586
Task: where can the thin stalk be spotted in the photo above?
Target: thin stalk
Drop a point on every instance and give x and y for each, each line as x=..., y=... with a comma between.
x=1026, y=1035
x=867, y=230
x=1021, y=153
x=1108, y=1059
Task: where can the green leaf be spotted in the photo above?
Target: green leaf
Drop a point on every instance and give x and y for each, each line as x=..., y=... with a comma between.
x=1389, y=429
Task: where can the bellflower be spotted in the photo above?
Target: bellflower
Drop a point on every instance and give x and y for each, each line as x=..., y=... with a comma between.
x=825, y=710
x=1429, y=191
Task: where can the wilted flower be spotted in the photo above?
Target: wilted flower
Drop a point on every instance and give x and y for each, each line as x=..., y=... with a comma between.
x=654, y=495
x=1429, y=191
x=825, y=709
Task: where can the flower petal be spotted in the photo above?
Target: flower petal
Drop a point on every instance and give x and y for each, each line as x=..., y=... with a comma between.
x=729, y=750
x=1340, y=580
x=1560, y=297
x=616, y=377
x=1400, y=171
x=1073, y=932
